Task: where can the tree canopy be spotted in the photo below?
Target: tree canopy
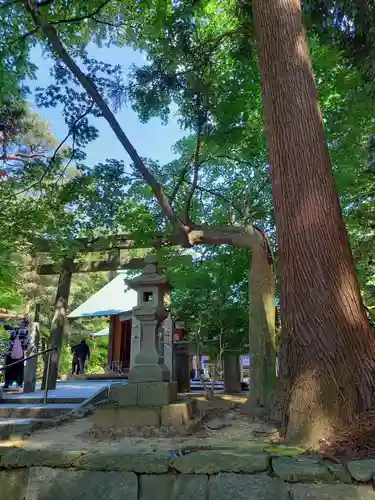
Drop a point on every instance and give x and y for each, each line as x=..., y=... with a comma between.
x=201, y=60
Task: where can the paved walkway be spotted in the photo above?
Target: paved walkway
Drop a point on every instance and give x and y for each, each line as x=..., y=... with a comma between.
x=82, y=389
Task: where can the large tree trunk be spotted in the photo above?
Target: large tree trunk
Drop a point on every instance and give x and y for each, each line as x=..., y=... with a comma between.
x=327, y=356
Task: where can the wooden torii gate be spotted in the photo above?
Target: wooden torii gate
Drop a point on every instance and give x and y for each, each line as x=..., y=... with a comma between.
x=113, y=245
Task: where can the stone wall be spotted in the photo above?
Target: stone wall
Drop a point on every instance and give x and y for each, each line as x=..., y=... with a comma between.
x=219, y=474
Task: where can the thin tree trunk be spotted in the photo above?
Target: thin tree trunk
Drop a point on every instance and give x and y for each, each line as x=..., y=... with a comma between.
x=261, y=308
x=262, y=331
x=328, y=354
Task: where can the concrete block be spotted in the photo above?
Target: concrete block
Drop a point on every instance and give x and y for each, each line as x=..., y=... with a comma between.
x=292, y=470
x=362, y=470
x=46, y=483
x=246, y=487
x=140, y=463
x=157, y=393
x=331, y=492
x=217, y=461
x=16, y=458
x=30, y=376
x=177, y=414
x=190, y=486
x=171, y=487
x=13, y=484
x=124, y=394
x=232, y=373
x=156, y=487
x=131, y=416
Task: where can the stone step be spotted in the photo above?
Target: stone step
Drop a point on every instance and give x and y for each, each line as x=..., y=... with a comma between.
x=21, y=427
x=29, y=400
x=22, y=411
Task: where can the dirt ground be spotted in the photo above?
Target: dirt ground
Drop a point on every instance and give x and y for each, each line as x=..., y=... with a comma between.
x=220, y=422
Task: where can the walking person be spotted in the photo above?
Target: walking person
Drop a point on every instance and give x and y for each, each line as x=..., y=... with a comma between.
x=75, y=364
x=19, y=339
x=81, y=352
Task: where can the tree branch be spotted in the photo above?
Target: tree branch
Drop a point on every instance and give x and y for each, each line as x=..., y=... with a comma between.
x=21, y=157
x=79, y=19
x=107, y=23
x=50, y=32
x=227, y=157
x=53, y=158
x=8, y=4
x=72, y=20
x=196, y=171
x=24, y=36
x=180, y=181
x=62, y=173
x=218, y=195
x=44, y=3
x=247, y=212
x=209, y=191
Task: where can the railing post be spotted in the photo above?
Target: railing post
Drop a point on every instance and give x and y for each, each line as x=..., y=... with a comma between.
x=45, y=399
x=32, y=364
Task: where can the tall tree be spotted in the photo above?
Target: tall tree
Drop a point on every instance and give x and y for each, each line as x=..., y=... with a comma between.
x=200, y=58
x=325, y=329
x=347, y=24
x=59, y=27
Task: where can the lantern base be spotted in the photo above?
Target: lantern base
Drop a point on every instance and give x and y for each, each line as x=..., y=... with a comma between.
x=115, y=415
x=144, y=394
x=149, y=373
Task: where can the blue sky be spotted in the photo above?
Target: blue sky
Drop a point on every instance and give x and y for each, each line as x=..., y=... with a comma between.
x=152, y=140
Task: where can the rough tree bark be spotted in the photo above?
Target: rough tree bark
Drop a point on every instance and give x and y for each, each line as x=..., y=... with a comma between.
x=328, y=353
x=262, y=286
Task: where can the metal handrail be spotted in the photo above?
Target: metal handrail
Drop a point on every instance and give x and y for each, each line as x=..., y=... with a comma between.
x=50, y=349
x=45, y=351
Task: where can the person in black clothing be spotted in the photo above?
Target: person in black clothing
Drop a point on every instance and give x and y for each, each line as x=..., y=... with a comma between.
x=75, y=364
x=15, y=372
x=81, y=352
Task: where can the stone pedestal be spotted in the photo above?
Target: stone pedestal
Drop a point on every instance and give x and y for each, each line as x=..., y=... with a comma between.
x=155, y=373
x=232, y=373
x=149, y=403
x=115, y=415
x=30, y=369
x=144, y=394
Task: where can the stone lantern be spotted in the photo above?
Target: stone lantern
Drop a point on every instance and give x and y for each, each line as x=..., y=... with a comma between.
x=150, y=397
x=153, y=290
